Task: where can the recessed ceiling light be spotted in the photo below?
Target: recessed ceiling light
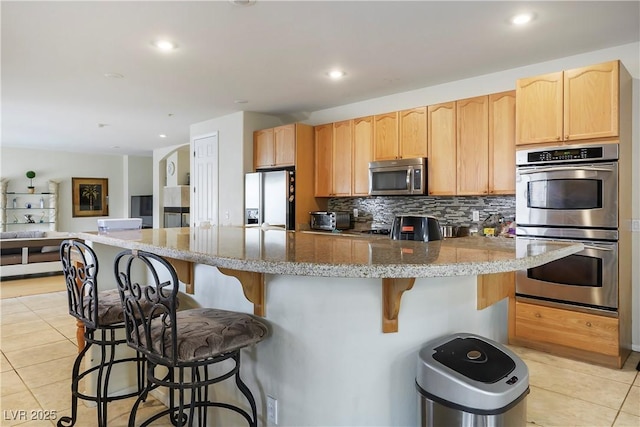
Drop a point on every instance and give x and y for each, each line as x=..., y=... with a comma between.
x=165, y=45
x=336, y=74
x=113, y=75
x=162, y=135
x=240, y=101
x=522, y=18
x=115, y=146
x=101, y=125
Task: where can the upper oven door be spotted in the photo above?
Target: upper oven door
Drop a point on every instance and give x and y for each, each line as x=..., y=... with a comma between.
x=575, y=195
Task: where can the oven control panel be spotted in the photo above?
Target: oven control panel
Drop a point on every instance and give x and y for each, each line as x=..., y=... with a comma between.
x=568, y=154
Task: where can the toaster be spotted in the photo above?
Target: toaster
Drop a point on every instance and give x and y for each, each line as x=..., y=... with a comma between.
x=330, y=221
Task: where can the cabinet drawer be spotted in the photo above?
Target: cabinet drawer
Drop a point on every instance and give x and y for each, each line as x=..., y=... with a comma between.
x=589, y=332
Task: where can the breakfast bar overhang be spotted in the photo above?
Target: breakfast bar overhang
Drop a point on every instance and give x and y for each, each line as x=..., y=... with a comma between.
x=332, y=300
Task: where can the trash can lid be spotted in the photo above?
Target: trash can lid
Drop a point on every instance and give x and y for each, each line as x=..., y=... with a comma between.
x=475, y=359
x=472, y=372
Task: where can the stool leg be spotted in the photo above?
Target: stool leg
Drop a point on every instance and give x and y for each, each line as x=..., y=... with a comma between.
x=70, y=421
x=245, y=390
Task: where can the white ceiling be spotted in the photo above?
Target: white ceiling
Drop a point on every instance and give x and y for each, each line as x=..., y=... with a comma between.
x=272, y=54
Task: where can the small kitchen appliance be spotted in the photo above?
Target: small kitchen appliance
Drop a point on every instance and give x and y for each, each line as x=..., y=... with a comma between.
x=330, y=221
x=398, y=177
x=416, y=227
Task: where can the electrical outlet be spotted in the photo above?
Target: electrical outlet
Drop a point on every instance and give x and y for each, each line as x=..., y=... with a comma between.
x=635, y=225
x=476, y=215
x=272, y=410
x=355, y=213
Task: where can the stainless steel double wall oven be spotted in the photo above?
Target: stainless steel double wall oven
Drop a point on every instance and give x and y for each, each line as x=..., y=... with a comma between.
x=570, y=193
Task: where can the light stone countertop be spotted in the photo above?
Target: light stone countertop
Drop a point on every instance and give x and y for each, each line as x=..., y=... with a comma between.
x=276, y=251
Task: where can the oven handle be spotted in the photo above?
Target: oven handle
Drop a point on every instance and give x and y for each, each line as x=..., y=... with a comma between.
x=563, y=168
x=597, y=248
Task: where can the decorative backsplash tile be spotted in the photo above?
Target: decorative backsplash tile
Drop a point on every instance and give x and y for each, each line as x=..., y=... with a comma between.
x=452, y=210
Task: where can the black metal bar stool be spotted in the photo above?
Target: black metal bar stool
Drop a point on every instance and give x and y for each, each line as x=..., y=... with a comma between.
x=186, y=342
x=102, y=316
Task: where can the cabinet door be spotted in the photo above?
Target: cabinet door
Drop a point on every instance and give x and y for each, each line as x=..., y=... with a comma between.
x=441, y=131
x=385, y=134
x=263, y=152
x=473, y=145
x=588, y=332
x=413, y=133
x=591, y=101
x=362, y=155
x=285, y=145
x=502, y=144
x=342, y=146
x=324, y=158
x=539, y=109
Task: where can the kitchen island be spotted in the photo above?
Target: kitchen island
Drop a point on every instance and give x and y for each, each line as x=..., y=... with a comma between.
x=342, y=349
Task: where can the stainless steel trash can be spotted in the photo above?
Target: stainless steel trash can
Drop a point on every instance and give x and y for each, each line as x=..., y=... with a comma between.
x=467, y=380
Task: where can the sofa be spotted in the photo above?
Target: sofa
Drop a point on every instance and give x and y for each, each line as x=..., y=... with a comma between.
x=30, y=252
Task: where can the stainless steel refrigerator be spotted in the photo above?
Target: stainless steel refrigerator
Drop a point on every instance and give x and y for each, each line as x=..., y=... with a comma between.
x=269, y=198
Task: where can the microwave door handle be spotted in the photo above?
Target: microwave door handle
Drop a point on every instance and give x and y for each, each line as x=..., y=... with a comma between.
x=563, y=168
x=409, y=173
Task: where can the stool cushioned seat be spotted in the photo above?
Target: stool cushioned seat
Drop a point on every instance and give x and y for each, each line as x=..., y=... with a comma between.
x=207, y=332
x=110, y=307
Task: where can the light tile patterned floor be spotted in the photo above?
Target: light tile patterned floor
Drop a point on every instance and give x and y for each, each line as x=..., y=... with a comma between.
x=37, y=343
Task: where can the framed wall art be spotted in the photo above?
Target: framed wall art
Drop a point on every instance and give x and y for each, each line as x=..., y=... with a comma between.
x=90, y=196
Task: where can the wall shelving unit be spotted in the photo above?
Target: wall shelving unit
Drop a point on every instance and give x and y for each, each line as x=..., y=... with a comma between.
x=23, y=211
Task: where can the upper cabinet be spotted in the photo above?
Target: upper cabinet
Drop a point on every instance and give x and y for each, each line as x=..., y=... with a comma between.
x=362, y=155
x=400, y=135
x=275, y=147
x=473, y=146
x=385, y=136
x=343, y=152
x=442, y=156
x=324, y=160
x=413, y=133
x=502, y=147
x=573, y=105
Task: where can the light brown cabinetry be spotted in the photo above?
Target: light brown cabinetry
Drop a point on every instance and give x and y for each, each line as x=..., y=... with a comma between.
x=343, y=152
x=413, y=133
x=362, y=155
x=472, y=146
x=385, y=136
x=333, y=150
x=585, y=335
x=401, y=134
x=573, y=105
x=275, y=147
x=324, y=159
x=502, y=146
x=442, y=155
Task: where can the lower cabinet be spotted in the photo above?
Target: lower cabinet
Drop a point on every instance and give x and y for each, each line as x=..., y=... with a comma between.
x=586, y=336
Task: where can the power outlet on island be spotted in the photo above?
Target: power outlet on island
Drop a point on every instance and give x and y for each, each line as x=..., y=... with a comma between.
x=272, y=410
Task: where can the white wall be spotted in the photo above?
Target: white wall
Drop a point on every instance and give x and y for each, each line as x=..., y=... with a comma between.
x=235, y=151
x=121, y=171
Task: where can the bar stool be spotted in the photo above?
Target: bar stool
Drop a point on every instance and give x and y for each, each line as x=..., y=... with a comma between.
x=102, y=316
x=185, y=342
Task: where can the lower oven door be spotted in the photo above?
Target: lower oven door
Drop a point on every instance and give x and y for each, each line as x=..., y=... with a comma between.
x=588, y=278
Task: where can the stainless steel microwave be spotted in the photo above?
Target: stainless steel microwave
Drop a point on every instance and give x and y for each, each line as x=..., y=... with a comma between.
x=398, y=177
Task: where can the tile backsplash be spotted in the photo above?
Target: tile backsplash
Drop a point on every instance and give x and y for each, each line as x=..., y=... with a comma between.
x=451, y=210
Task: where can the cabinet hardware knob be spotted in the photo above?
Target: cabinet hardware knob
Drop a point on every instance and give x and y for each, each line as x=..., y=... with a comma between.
x=538, y=315
x=589, y=324
x=558, y=138
x=566, y=137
